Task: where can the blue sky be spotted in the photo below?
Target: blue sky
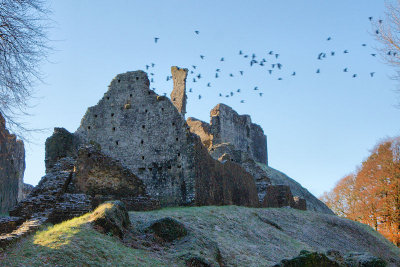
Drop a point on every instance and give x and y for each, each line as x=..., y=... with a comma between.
x=319, y=126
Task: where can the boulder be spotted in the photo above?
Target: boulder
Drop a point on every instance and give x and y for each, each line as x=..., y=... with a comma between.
x=168, y=229
x=308, y=259
x=111, y=217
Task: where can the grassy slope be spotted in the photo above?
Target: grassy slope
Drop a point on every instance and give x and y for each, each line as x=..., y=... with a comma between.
x=74, y=243
x=243, y=236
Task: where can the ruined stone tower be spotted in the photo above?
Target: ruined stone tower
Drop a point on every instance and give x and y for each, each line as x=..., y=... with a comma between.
x=178, y=94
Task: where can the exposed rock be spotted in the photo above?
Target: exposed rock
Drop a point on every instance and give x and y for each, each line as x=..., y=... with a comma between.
x=12, y=167
x=178, y=94
x=112, y=217
x=168, y=229
x=363, y=259
x=61, y=144
x=307, y=258
x=202, y=129
x=197, y=262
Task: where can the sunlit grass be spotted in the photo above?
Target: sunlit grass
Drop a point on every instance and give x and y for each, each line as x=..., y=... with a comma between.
x=75, y=243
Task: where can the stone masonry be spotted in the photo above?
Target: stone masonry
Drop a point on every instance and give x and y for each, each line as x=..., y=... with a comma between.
x=146, y=133
x=178, y=94
x=12, y=167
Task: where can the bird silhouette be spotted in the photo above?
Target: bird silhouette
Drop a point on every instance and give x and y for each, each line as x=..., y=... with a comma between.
x=197, y=32
x=220, y=94
x=270, y=52
x=318, y=71
x=364, y=44
x=273, y=65
x=194, y=80
x=329, y=38
x=345, y=70
x=280, y=79
x=389, y=53
x=276, y=55
x=374, y=55
x=222, y=59
x=194, y=67
x=147, y=67
x=354, y=75
x=217, y=70
x=241, y=101
x=372, y=74
x=208, y=84
x=261, y=63
x=231, y=93
x=167, y=78
x=156, y=39
x=332, y=53
x=345, y=51
x=216, y=75
x=199, y=76
x=152, y=74
x=241, y=72
x=201, y=56
x=246, y=56
x=279, y=65
x=240, y=52
x=320, y=56
x=270, y=71
x=152, y=65
x=253, y=56
x=377, y=32
x=191, y=72
x=261, y=94
x=370, y=18
x=294, y=73
x=199, y=96
x=238, y=90
x=231, y=75
x=151, y=80
x=256, y=88
x=380, y=21
x=190, y=90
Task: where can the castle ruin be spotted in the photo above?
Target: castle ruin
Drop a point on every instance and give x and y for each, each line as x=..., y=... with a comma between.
x=136, y=146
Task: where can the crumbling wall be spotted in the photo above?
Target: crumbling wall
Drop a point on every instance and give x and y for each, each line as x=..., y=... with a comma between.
x=202, y=129
x=227, y=126
x=12, y=167
x=178, y=94
x=60, y=145
x=147, y=134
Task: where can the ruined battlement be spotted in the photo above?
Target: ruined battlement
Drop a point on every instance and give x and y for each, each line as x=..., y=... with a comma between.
x=148, y=145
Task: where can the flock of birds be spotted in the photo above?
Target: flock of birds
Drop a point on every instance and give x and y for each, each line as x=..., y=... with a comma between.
x=270, y=62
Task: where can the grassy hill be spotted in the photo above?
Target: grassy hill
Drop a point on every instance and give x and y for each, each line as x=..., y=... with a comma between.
x=229, y=235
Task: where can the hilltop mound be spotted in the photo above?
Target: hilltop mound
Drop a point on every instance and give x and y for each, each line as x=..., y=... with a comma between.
x=218, y=236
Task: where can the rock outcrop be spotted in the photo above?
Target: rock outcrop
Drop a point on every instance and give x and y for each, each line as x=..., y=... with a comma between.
x=12, y=167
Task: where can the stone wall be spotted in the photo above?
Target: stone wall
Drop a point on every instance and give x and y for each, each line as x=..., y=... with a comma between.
x=146, y=133
x=178, y=94
x=12, y=167
x=227, y=126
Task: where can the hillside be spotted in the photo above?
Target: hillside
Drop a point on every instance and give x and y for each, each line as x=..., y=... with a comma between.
x=228, y=235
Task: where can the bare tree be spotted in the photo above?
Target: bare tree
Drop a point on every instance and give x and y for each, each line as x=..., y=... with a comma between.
x=23, y=45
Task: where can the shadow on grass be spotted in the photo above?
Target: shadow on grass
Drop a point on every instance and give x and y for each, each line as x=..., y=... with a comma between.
x=74, y=243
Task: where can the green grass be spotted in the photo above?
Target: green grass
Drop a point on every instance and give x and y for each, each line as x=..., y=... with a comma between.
x=74, y=243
